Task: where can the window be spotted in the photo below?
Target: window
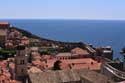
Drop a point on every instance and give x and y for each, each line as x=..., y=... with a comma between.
x=22, y=62
x=22, y=70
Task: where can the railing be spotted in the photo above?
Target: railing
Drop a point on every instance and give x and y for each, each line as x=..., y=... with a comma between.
x=108, y=60
x=114, y=71
x=90, y=49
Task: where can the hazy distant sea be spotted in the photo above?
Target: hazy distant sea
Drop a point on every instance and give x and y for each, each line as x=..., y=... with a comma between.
x=96, y=32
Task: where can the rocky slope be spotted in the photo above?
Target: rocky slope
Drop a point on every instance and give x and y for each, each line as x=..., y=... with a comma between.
x=44, y=41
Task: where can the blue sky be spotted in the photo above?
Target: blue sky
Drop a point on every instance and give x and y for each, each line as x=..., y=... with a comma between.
x=63, y=9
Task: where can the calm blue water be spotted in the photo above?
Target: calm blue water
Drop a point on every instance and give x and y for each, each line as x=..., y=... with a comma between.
x=96, y=32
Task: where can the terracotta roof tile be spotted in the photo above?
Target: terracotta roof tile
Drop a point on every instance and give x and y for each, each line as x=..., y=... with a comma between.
x=64, y=54
x=3, y=32
x=34, y=70
x=4, y=23
x=79, y=51
x=122, y=82
x=78, y=63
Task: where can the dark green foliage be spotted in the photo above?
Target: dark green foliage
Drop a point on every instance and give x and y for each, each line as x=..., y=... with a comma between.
x=4, y=53
x=57, y=65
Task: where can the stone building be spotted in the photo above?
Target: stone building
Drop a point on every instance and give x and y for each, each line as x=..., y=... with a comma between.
x=21, y=64
x=68, y=76
x=25, y=40
x=80, y=53
x=4, y=25
x=3, y=32
x=75, y=53
x=14, y=37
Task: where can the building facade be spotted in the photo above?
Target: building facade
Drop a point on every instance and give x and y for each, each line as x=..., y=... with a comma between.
x=4, y=26
x=21, y=64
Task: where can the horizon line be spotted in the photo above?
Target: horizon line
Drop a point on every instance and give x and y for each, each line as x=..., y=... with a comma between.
x=60, y=19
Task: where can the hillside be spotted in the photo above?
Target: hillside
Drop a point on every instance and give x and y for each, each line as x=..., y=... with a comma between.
x=50, y=42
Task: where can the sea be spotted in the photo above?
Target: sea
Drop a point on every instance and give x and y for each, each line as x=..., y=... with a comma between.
x=99, y=33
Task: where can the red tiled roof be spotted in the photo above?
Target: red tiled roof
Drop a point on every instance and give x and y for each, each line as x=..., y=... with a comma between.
x=3, y=64
x=46, y=56
x=122, y=82
x=34, y=70
x=24, y=38
x=37, y=62
x=83, y=60
x=78, y=63
x=36, y=57
x=79, y=51
x=5, y=75
x=4, y=23
x=3, y=32
x=95, y=66
x=12, y=65
x=64, y=66
x=64, y=54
